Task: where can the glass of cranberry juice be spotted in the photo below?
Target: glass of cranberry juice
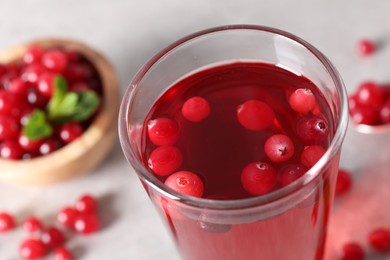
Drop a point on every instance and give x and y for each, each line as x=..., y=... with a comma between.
x=235, y=133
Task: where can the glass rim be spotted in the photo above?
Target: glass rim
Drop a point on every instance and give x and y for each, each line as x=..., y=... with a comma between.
x=262, y=200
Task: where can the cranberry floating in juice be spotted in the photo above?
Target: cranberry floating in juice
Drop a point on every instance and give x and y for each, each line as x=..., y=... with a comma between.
x=235, y=133
x=255, y=120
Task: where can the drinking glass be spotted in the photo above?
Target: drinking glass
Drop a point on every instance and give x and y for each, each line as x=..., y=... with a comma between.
x=289, y=223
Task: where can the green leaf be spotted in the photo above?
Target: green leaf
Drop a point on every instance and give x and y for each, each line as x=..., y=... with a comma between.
x=37, y=126
x=87, y=105
x=71, y=106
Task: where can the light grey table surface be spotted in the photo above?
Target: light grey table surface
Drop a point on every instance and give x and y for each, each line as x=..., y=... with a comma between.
x=129, y=32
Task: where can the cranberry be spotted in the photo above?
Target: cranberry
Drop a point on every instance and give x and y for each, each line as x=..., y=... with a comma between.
x=69, y=132
x=30, y=155
x=379, y=239
x=255, y=115
x=312, y=130
x=364, y=115
x=165, y=160
x=86, y=204
x=195, y=109
x=55, y=60
x=78, y=72
x=369, y=94
x=18, y=86
x=67, y=216
x=28, y=144
x=32, y=224
x=52, y=237
x=46, y=84
x=344, y=182
x=163, y=131
x=365, y=47
x=3, y=70
x=10, y=149
x=384, y=112
x=8, y=102
x=48, y=146
x=33, y=54
x=32, y=249
x=352, y=251
x=80, y=87
x=258, y=178
x=302, y=100
x=36, y=99
x=352, y=102
x=87, y=224
x=62, y=253
x=186, y=182
x=9, y=128
x=311, y=155
x=32, y=73
x=7, y=222
x=279, y=148
x=290, y=173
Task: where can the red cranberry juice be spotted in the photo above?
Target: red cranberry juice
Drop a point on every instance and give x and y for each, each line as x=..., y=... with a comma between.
x=219, y=146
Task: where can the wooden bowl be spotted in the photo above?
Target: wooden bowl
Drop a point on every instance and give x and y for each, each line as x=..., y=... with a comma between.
x=83, y=154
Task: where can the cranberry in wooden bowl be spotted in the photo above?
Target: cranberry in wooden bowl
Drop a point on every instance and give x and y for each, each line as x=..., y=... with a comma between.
x=58, y=102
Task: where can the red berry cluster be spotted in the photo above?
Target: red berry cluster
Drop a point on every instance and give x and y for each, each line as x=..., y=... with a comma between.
x=81, y=218
x=370, y=104
x=27, y=85
x=257, y=178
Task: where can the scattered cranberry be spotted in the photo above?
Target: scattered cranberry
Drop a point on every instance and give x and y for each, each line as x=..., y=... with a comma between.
x=365, y=47
x=352, y=251
x=7, y=222
x=379, y=239
x=291, y=173
x=32, y=224
x=62, y=253
x=31, y=249
x=165, y=160
x=86, y=204
x=344, y=182
x=255, y=115
x=258, y=178
x=163, y=131
x=69, y=132
x=55, y=60
x=87, y=224
x=312, y=130
x=11, y=150
x=279, y=148
x=196, y=109
x=52, y=237
x=186, y=182
x=67, y=216
x=302, y=100
x=311, y=155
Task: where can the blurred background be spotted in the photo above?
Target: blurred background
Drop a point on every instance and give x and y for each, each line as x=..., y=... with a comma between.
x=128, y=33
